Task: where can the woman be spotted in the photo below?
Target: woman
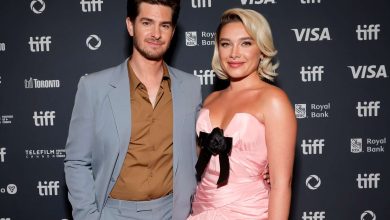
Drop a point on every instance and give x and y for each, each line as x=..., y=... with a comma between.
x=244, y=128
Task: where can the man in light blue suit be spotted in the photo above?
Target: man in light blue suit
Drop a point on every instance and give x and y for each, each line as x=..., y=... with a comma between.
x=131, y=148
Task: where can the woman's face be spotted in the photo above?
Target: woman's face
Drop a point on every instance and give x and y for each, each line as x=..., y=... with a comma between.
x=238, y=52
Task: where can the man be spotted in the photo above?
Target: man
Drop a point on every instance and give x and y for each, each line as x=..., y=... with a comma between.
x=131, y=152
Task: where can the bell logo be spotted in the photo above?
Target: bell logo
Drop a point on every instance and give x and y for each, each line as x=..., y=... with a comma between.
x=368, y=109
x=313, y=216
x=2, y=154
x=257, y=2
x=312, y=34
x=314, y=73
x=91, y=5
x=40, y=44
x=368, y=181
x=368, y=32
x=44, y=118
x=201, y=3
x=48, y=188
x=312, y=146
x=313, y=182
x=368, y=72
x=37, y=6
x=368, y=215
x=93, y=42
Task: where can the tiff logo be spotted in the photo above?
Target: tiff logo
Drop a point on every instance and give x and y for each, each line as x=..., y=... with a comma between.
x=206, y=76
x=2, y=46
x=310, y=1
x=201, y=3
x=368, y=32
x=314, y=73
x=368, y=109
x=313, y=215
x=2, y=154
x=48, y=188
x=368, y=72
x=312, y=34
x=91, y=5
x=368, y=180
x=40, y=44
x=44, y=118
x=257, y=2
x=312, y=146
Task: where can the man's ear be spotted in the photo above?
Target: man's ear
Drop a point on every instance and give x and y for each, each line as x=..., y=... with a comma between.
x=130, y=26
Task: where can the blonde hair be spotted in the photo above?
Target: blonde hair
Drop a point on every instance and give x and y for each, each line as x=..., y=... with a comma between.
x=258, y=28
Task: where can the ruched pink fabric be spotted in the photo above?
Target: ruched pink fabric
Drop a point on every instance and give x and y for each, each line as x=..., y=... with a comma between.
x=246, y=194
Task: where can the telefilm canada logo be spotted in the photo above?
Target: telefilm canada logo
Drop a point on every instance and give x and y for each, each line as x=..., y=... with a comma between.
x=368, y=215
x=206, y=76
x=257, y=2
x=312, y=110
x=93, y=42
x=368, y=145
x=41, y=84
x=9, y=189
x=45, y=153
x=37, y=6
x=313, y=215
x=201, y=3
x=6, y=119
x=205, y=38
x=313, y=182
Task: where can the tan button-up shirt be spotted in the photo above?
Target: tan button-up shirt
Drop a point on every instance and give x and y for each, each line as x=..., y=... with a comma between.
x=147, y=172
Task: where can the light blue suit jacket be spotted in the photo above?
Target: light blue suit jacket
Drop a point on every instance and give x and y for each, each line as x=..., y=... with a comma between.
x=99, y=134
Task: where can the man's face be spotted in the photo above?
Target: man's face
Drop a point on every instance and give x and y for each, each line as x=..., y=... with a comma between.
x=152, y=31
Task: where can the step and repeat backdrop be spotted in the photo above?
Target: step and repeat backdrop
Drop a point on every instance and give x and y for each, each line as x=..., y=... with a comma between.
x=334, y=65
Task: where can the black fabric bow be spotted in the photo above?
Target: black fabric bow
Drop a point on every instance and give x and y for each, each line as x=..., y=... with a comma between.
x=212, y=144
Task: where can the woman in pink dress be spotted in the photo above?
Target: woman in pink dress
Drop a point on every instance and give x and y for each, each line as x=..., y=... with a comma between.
x=244, y=128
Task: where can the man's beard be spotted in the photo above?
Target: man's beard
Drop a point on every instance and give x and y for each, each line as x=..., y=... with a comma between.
x=148, y=54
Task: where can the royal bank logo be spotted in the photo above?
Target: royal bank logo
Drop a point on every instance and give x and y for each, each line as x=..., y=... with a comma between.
x=310, y=1
x=314, y=146
x=201, y=3
x=91, y=5
x=48, y=188
x=368, y=109
x=40, y=44
x=6, y=119
x=40, y=84
x=257, y=2
x=313, y=182
x=205, y=38
x=9, y=189
x=2, y=46
x=368, y=32
x=311, y=73
x=312, y=111
x=313, y=215
x=368, y=215
x=2, y=154
x=191, y=38
x=206, y=76
x=368, y=145
x=368, y=181
x=44, y=118
x=93, y=42
x=37, y=6
x=312, y=34
x=368, y=72
x=45, y=153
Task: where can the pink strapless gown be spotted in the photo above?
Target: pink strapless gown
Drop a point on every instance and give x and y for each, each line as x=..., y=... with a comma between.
x=246, y=194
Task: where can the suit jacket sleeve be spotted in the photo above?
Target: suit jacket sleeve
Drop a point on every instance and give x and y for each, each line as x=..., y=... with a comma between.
x=78, y=161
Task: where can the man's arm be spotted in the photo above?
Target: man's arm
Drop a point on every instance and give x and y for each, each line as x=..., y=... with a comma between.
x=78, y=160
